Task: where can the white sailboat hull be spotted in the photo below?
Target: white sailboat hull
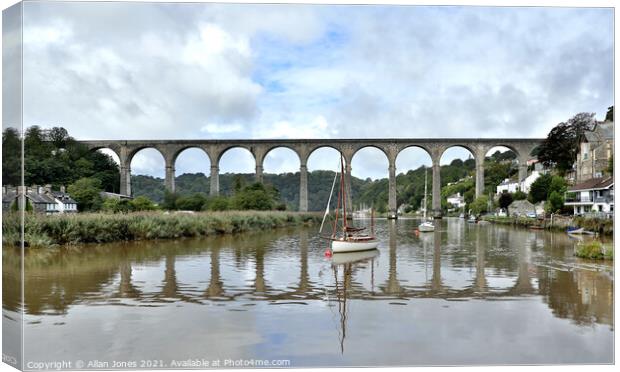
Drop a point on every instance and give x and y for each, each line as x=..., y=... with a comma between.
x=341, y=246
x=426, y=227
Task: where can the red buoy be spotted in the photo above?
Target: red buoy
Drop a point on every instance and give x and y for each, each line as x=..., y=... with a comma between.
x=328, y=252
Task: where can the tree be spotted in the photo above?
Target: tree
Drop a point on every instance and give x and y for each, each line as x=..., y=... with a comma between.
x=217, y=203
x=561, y=146
x=555, y=202
x=86, y=192
x=610, y=114
x=193, y=202
x=480, y=205
x=540, y=188
x=253, y=197
x=505, y=199
x=11, y=157
x=519, y=195
x=142, y=203
x=170, y=200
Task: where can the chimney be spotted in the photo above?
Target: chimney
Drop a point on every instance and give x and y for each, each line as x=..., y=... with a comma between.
x=48, y=188
x=62, y=189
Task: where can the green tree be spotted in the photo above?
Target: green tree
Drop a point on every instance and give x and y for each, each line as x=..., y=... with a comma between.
x=480, y=205
x=505, y=199
x=86, y=192
x=610, y=114
x=11, y=157
x=540, y=188
x=142, y=203
x=519, y=195
x=170, y=200
x=561, y=146
x=254, y=197
x=194, y=202
x=217, y=203
x=555, y=202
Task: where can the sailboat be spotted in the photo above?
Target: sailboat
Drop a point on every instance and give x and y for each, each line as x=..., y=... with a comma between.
x=346, y=238
x=426, y=225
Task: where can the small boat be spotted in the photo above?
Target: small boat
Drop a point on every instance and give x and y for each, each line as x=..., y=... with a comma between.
x=536, y=227
x=349, y=238
x=579, y=231
x=472, y=219
x=462, y=216
x=426, y=226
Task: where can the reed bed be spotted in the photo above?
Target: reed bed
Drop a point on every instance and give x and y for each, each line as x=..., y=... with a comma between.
x=70, y=229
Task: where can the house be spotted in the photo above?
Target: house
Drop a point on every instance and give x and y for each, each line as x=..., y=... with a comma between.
x=521, y=208
x=40, y=199
x=457, y=200
x=512, y=186
x=595, y=150
x=592, y=197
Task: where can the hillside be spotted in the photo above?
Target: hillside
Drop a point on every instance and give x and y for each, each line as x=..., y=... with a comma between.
x=410, y=185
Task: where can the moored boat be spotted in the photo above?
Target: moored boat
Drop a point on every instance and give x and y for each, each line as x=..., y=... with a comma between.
x=426, y=226
x=346, y=238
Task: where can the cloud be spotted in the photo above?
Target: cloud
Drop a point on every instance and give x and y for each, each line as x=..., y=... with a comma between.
x=290, y=71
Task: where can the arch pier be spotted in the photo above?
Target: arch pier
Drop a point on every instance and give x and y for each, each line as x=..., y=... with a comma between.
x=435, y=147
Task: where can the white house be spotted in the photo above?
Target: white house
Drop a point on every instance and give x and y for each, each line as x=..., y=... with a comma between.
x=457, y=200
x=592, y=196
x=513, y=186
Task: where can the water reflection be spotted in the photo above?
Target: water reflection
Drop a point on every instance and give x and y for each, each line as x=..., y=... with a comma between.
x=457, y=262
x=346, y=263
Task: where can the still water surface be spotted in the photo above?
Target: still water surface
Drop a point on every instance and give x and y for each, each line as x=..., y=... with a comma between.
x=465, y=294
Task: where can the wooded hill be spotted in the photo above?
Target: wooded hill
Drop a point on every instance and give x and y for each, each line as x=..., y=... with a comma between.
x=410, y=185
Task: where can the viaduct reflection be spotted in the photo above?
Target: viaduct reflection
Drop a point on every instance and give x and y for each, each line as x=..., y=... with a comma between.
x=53, y=287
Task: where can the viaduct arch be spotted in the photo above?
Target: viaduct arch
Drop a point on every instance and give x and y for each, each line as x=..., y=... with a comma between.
x=435, y=147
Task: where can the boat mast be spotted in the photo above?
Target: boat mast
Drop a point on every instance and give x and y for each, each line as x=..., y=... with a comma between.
x=425, y=201
x=344, y=196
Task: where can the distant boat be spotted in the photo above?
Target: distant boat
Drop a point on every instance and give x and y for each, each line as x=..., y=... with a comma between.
x=426, y=226
x=462, y=216
x=349, y=238
x=579, y=231
x=472, y=219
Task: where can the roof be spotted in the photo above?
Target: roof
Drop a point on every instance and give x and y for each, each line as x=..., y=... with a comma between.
x=524, y=204
x=64, y=197
x=40, y=198
x=601, y=131
x=593, y=184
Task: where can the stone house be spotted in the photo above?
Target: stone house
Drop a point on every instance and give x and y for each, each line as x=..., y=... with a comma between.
x=596, y=148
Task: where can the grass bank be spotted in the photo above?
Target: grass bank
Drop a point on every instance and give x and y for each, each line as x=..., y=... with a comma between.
x=47, y=231
x=559, y=223
x=595, y=250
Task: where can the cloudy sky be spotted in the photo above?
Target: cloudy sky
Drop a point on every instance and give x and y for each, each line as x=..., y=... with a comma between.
x=188, y=71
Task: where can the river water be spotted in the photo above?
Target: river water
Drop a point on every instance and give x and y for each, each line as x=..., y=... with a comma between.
x=465, y=294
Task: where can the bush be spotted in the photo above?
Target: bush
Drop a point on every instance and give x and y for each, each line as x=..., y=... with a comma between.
x=142, y=203
x=595, y=250
x=480, y=205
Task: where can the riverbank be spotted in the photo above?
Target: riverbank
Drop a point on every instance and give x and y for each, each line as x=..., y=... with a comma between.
x=557, y=223
x=48, y=231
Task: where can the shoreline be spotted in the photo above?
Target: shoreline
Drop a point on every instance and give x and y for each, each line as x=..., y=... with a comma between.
x=557, y=223
x=43, y=231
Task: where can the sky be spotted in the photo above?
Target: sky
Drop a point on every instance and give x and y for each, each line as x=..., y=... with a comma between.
x=213, y=71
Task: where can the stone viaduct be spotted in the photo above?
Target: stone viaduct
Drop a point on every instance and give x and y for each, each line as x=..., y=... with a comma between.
x=435, y=147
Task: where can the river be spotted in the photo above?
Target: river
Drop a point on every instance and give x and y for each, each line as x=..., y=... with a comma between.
x=465, y=294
